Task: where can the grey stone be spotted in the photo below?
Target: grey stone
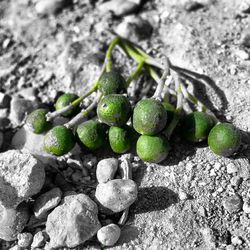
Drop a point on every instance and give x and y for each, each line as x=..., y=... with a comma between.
x=106, y=169
x=47, y=201
x=109, y=235
x=19, y=108
x=4, y=100
x=49, y=7
x=233, y=203
x=116, y=195
x=28, y=93
x=236, y=181
x=24, y=239
x=13, y=221
x=246, y=206
x=73, y=222
x=119, y=7
x=38, y=240
x=21, y=176
x=134, y=28
x=231, y=168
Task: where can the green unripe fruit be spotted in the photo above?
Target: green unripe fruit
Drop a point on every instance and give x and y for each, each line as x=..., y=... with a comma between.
x=120, y=138
x=224, y=139
x=152, y=148
x=91, y=135
x=59, y=141
x=63, y=101
x=112, y=83
x=196, y=126
x=149, y=117
x=114, y=110
x=37, y=121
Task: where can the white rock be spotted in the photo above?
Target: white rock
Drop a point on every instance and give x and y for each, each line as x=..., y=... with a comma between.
x=119, y=7
x=109, y=235
x=231, y=168
x=236, y=240
x=73, y=222
x=47, y=201
x=12, y=221
x=38, y=240
x=48, y=7
x=182, y=195
x=21, y=176
x=24, y=239
x=246, y=206
x=106, y=169
x=242, y=54
x=116, y=195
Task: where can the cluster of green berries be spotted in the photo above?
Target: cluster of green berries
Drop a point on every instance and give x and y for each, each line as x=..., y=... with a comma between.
x=149, y=120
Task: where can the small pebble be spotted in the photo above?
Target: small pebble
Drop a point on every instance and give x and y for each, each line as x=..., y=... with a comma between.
x=193, y=6
x=231, y=168
x=246, y=206
x=106, y=170
x=38, y=240
x=217, y=165
x=48, y=7
x=24, y=239
x=109, y=235
x=236, y=240
x=182, y=195
x=242, y=54
x=233, y=203
x=236, y=181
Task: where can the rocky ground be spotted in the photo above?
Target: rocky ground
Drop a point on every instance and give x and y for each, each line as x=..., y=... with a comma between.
x=194, y=199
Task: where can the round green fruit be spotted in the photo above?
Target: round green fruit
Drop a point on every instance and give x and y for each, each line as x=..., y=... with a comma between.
x=64, y=100
x=149, y=117
x=37, y=121
x=114, y=110
x=152, y=148
x=196, y=126
x=112, y=83
x=59, y=141
x=120, y=138
x=224, y=139
x=91, y=135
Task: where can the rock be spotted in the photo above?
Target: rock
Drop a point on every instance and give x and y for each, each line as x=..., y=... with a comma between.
x=13, y=221
x=236, y=181
x=208, y=237
x=193, y=6
x=21, y=176
x=246, y=40
x=73, y=222
x=28, y=93
x=183, y=196
x=246, y=206
x=50, y=7
x=134, y=28
x=4, y=100
x=106, y=170
x=109, y=235
x=24, y=239
x=38, y=240
x=231, y=168
x=116, y=195
x=242, y=54
x=19, y=108
x=1, y=139
x=27, y=140
x=47, y=201
x=119, y=7
x=232, y=203
x=236, y=240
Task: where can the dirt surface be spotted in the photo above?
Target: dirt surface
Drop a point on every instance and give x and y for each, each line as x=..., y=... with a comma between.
x=181, y=203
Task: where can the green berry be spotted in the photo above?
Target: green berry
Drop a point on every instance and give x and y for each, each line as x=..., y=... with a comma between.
x=37, y=122
x=196, y=126
x=224, y=139
x=64, y=100
x=152, y=148
x=59, y=141
x=120, y=138
x=114, y=110
x=112, y=83
x=149, y=117
x=91, y=134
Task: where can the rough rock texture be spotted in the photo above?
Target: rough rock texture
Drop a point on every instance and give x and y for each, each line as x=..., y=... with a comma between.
x=73, y=222
x=24, y=239
x=116, y=195
x=47, y=201
x=106, y=169
x=13, y=221
x=21, y=176
x=38, y=240
x=109, y=235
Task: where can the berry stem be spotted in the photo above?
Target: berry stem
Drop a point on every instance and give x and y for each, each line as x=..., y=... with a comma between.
x=126, y=172
x=79, y=117
x=108, y=59
x=136, y=73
